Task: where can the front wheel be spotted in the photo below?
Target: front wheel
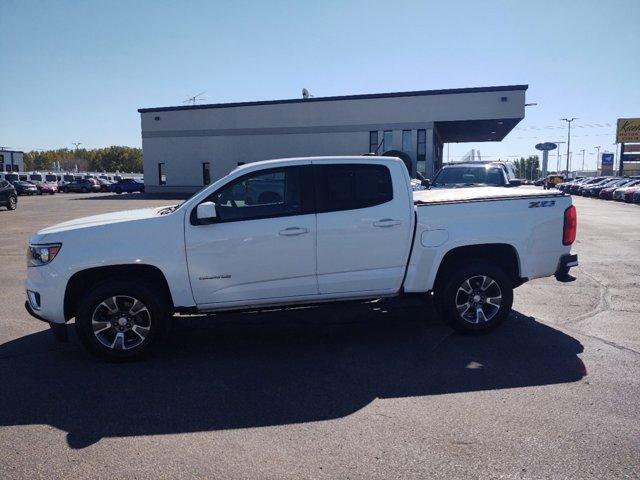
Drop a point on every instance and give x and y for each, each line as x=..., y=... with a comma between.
x=120, y=320
x=475, y=298
x=118, y=190
x=12, y=203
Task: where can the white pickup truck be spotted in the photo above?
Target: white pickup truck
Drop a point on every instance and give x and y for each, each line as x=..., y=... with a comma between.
x=297, y=231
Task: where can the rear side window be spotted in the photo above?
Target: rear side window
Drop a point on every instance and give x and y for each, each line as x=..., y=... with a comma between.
x=348, y=187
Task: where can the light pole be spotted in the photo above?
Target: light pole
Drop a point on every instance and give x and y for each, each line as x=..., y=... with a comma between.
x=597, y=157
x=582, y=159
x=568, y=120
x=558, y=160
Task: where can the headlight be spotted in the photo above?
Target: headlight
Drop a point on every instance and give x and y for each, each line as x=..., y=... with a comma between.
x=38, y=255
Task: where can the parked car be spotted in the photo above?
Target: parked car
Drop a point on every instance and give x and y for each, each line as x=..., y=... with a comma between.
x=104, y=184
x=83, y=185
x=629, y=194
x=565, y=187
x=127, y=185
x=226, y=248
x=553, y=180
x=25, y=188
x=607, y=192
x=594, y=190
x=47, y=187
x=618, y=193
x=8, y=195
x=473, y=174
x=576, y=188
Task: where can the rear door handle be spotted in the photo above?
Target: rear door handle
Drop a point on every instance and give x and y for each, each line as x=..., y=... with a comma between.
x=386, y=222
x=291, y=231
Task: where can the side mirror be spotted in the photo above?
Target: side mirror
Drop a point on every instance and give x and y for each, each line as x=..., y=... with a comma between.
x=206, y=212
x=514, y=183
x=425, y=183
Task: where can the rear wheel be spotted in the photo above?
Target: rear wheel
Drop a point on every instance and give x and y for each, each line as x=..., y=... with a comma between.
x=475, y=297
x=120, y=320
x=12, y=203
x=118, y=190
x=84, y=190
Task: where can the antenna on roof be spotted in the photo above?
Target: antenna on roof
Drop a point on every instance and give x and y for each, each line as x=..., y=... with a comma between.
x=195, y=98
x=306, y=94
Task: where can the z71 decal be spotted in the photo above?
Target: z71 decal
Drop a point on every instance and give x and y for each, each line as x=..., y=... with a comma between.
x=542, y=203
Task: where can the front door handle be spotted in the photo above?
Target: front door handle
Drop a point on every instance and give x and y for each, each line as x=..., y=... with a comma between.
x=291, y=231
x=386, y=222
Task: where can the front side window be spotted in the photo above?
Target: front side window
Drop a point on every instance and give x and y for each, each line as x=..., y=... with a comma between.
x=263, y=194
x=348, y=187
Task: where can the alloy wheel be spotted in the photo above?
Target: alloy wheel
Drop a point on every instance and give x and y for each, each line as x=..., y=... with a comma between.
x=121, y=322
x=478, y=299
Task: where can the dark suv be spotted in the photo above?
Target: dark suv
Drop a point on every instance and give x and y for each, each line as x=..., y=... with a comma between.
x=84, y=185
x=8, y=195
x=474, y=174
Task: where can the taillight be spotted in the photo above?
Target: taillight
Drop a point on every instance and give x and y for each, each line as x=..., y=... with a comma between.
x=570, y=226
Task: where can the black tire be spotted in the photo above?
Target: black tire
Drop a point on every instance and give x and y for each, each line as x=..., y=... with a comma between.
x=155, y=320
x=451, y=292
x=65, y=190
x=118, y=190
x=84, y=190
x=12, y=203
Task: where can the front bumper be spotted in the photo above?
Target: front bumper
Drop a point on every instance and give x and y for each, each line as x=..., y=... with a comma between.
x=567, y=261
x=59, y=329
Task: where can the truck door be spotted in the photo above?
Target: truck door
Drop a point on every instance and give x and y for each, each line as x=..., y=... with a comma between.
x=364, y=226
x=262, y=245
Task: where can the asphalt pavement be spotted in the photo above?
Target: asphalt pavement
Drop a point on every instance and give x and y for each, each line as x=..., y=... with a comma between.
x=364, y=391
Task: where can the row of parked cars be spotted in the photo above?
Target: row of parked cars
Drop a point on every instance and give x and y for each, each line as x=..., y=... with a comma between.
x=13, y=184
x=623, y=189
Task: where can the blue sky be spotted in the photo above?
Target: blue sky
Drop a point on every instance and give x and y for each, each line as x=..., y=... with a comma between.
x=78, y=71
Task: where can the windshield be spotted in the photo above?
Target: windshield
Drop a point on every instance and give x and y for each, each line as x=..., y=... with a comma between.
x=11, y=177
x=469, y=176
x=51, y=178
x=35, y=176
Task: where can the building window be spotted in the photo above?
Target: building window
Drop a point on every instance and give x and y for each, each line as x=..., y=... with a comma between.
x=206, y=173
x=373, y=141
x=387, y=140
x=406, y=141
x=421, y=152
x=162, y=177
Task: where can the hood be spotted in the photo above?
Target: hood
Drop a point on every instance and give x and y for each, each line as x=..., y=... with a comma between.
x=103, y=219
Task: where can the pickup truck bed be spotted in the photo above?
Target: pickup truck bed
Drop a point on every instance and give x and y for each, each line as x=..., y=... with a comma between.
x=477, y=194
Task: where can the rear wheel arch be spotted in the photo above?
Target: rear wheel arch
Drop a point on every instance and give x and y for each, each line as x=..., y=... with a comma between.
x=503, y=255
x=81, y=282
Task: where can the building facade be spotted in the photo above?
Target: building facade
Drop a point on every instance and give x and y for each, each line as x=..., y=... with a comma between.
x=187, y=147
x=11, y=161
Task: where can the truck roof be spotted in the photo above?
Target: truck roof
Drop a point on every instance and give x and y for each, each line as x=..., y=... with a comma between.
x=472, y=194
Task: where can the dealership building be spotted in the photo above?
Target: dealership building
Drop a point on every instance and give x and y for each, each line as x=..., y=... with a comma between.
x=186, y=147
x=11, y=160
